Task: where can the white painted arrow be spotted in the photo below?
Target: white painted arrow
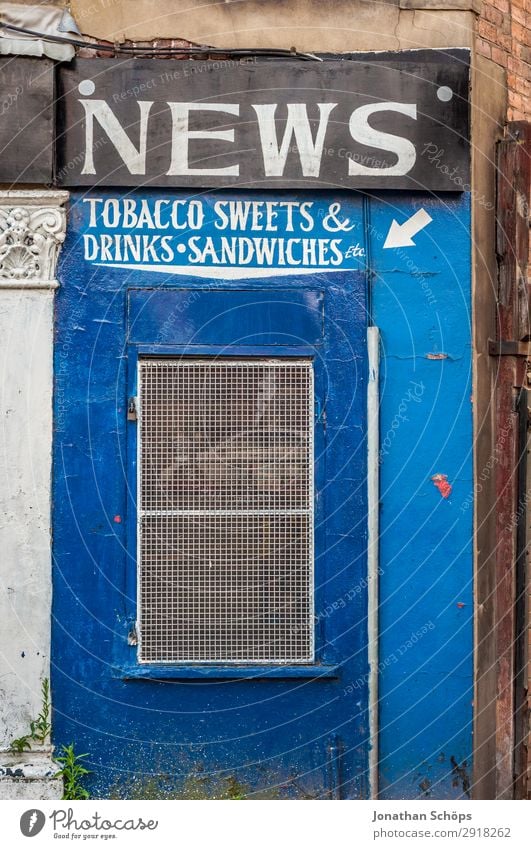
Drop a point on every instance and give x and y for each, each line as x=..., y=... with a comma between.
x=400, y=235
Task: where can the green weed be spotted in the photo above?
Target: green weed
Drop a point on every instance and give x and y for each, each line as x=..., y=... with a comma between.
x=72, y=772
x=39, y=728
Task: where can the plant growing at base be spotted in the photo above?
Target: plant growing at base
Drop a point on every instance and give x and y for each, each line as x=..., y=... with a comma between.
x=72, y=772
x=39, y=728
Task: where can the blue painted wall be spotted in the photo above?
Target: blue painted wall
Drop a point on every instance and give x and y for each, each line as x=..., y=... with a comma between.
x=165, y=737
x=421, y=303
x=163, y=732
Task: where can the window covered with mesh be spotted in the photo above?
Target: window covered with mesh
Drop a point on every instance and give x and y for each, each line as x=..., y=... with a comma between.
x=225, y=508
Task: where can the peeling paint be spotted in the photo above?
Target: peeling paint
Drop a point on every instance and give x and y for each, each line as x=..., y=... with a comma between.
x=26, y=320
x=441, y=482
x=460, y=773
x=425, y=786
x=437, y=438
x=238, y=729
x=440, y=356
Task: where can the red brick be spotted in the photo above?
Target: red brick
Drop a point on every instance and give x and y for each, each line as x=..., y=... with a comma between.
x=494, y=15
x=487, y=30
x=519, y=32
x=522, y=87
x=505, y=41
x=526, y=61
x=499, y=56
x=516, y=100
x=517, y=14
x=483, y=48
x=518, y=66
x=502, y=5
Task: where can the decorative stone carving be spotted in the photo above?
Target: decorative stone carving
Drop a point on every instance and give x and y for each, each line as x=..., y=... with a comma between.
x=32, y=229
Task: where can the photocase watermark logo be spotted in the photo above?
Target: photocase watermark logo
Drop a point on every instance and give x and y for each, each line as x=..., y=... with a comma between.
x=32, y=822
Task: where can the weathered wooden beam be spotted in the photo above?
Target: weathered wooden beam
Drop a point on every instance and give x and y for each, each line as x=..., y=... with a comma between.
x=513, y=190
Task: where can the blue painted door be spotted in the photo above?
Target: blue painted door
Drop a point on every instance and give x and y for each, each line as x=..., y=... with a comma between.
x=274, y=728
x=421, y=301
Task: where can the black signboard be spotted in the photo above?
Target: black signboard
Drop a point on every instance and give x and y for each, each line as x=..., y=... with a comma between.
x=26, y=120
x=367, y=122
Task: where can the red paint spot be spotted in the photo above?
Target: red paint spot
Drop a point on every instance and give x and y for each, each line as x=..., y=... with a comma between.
x=460, y=604
x=436, y=356
x=117, y=519
x=441, y=482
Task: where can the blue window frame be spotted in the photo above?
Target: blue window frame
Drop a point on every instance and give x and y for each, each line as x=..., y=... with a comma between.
x=252, y=323
x=322, y=664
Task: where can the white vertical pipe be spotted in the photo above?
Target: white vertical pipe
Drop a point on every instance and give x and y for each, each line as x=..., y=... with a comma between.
x=373, y=403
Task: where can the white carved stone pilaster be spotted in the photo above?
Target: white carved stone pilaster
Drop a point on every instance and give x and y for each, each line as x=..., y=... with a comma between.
x=32, y=229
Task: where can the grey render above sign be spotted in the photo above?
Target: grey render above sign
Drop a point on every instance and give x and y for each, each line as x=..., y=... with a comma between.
x=368, y=122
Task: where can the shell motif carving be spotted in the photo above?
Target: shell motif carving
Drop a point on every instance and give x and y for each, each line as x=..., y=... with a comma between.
x=30, y=238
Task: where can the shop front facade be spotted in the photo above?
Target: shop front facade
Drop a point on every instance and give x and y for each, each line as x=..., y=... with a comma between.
x=253, y=291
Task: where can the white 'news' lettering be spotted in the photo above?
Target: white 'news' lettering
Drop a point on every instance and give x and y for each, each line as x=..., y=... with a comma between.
x=133, y=159
x=362, y=132
x=298, y=125
x=274, y=152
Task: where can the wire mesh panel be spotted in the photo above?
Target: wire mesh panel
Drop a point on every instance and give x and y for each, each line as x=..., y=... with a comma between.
x=225, y=511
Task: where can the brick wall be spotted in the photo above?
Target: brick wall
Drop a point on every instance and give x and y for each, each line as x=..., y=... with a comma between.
x=504, y=35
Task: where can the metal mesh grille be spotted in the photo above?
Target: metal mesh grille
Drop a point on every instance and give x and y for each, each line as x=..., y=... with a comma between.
x=226, y=511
